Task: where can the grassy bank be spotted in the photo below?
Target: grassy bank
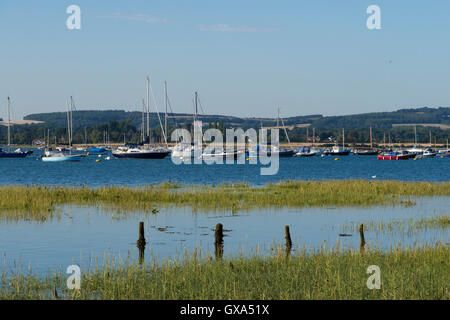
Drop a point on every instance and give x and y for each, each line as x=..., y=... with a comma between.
x=411, y=274
x=38, y=203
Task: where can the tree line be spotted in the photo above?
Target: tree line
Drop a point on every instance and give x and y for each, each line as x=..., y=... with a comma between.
x=124, y=131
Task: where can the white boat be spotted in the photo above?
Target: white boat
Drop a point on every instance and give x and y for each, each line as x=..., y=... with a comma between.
x=51, y=156
x=184, y=150
x=305, y=152
x=429, y=153
x=337, y=151
x=226, y=155
x=415, y=150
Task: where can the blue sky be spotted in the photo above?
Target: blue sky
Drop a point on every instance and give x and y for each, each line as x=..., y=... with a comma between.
x=245, y=58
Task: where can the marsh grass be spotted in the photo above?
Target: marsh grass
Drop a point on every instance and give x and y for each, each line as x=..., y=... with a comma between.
x=39, y=202
x=416, y=273
x=408, y=226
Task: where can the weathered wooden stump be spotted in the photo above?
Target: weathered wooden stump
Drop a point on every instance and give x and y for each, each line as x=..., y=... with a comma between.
x=288, y=240
x=363, y=241
x=218, y=242
x=141, y=242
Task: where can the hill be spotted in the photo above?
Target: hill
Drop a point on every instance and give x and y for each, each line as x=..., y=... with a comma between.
x=120, y=125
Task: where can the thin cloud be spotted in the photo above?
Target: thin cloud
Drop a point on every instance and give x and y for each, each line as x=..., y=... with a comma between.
x=136, y=17
x=228, y=28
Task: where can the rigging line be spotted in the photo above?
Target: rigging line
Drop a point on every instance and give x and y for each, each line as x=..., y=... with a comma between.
x=171, y=112
x=200, y=103
x=157, y=112
x=285, y=132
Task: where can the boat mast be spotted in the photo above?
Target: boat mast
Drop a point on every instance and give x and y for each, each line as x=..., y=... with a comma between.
x=196, y=112
x=278, y=118
x=430, y=139
x=196, y=106
x=9, y=124
x=343, y=138
x=148, y=110
x=71, y=120
x=165, y=117
x=371, y=144
x=415, y=136
x=143, y=121
x=68, y=120
x=314, y=136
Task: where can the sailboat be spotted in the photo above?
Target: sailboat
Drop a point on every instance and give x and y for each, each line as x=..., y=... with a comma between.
x=337, y=150
x=17, y=153
x=270, y=150
x=135, y=152
x=57, y=156
x=185, y=150
x=429, y=152
x=414, y=150
x=306, y=151
x=367, y=152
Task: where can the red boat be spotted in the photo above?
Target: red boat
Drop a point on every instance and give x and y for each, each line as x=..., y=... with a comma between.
x=395, y=156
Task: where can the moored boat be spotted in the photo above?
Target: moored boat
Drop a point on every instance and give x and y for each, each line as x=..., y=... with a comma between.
x=429, y=153
x=14, y=154
x=226, y=155
x=51, y=156
x=18, y=153
x=270, y=151
x=365, y=152
x=396, y=155
x=305, y=152
x=97, y=150
x=135, y=152
x=337, y=151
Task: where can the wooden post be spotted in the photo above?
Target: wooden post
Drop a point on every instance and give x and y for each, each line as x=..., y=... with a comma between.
x=141, y=242
x=218, y=242
x=288, y=240
x=363, y=241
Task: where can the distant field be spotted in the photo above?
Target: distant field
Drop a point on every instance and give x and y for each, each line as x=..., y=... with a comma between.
x=20, y=122
x=432, y=125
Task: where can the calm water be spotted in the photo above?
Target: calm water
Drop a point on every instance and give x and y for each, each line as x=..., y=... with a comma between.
x=81, y=234
x=140, y=172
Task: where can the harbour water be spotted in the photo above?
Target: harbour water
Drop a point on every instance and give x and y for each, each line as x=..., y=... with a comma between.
x=30, y=171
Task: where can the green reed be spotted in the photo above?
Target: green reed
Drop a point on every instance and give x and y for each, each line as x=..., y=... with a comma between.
x=407, y=226
x=39, y=202
x=416, y=273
